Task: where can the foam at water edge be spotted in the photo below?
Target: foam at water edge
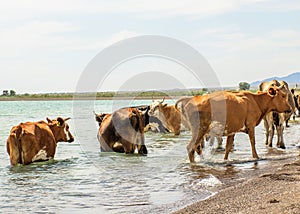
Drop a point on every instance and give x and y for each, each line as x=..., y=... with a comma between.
x=209, y=181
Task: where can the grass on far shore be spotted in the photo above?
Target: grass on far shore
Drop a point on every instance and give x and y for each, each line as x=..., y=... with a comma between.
x=103, y=95
x=110, y=95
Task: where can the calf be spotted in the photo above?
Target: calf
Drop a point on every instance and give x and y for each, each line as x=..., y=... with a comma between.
x=225, y=113
x=36, y=141
x=122, y=131
x=151, y=122
x=274, y=119
x=170, y=116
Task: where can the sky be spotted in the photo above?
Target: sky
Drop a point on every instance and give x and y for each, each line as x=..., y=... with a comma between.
x=46, y=45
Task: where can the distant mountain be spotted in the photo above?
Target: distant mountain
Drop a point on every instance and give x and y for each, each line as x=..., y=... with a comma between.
x=292, y=79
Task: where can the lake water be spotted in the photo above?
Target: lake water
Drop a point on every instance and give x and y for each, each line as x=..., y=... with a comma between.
x=81, y=179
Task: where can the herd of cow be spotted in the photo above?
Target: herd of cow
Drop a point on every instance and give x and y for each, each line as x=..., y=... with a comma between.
x=210, y=116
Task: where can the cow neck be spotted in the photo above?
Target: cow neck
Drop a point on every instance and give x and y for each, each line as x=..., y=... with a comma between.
x=263, y=101
x=52, y=128
x=166, y=114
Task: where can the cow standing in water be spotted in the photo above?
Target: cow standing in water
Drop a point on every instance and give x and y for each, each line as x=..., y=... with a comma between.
x=151, y=123
x=170, y=116
x=122, y=131
x=274, y=119
x=36, y=141
x=225, y=113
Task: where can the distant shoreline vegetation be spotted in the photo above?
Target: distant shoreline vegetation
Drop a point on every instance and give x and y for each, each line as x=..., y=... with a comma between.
x=111, y=95
x=104, y=95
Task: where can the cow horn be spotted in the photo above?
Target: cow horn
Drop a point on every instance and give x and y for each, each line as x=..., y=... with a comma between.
x=281, y=87
x=152, y=100
x=163, y=100
x=68, y=118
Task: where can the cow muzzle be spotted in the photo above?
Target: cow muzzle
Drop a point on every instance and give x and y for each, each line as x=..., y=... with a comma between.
x=71, y=140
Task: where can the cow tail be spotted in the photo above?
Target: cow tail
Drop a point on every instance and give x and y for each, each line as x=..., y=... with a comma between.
x=182, y=101
x=137, y=124
x=177, y=102
x=14, y=146
x=134, y=121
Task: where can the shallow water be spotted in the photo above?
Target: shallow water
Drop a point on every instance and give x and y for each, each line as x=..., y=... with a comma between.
x=82, y=179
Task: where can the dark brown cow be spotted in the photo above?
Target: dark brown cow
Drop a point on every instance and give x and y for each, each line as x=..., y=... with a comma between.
x=170, y=116
x=36, y=141
x=122, y=131
x=225, y=113
x=274, y=119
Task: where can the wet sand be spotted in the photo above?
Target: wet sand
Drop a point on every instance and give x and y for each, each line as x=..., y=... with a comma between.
x=275, y=190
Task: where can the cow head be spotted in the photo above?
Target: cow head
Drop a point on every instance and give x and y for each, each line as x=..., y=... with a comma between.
x=279, y=99
x=60, y=130
x=99, y=117
x=156, y=106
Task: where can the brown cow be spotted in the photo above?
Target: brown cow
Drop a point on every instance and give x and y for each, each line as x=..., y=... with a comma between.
x=122, y=131
x=225, y=113
x=180, y=104
x=274, y=119
x=170, y=116
x=36, y=141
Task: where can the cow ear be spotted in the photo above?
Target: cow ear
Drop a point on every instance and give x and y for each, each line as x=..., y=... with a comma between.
x=165, y=104
x=272, y=91
x=60, y=121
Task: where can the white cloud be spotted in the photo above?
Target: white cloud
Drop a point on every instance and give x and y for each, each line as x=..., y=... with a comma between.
x=232, y=39
x=32, y=36
x=245, y=57
x=20, y=10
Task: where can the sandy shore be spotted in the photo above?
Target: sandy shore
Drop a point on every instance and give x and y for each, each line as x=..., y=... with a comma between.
x=276, y=190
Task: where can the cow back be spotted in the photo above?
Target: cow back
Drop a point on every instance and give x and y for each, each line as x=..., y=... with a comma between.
x=29, y=142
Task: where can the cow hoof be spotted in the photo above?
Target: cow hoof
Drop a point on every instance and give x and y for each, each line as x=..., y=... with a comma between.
x=192, y=158
x=281, y=146
x=143, y=150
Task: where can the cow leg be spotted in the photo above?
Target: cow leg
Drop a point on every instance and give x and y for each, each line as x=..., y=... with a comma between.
x=118, y=147
x=128, y=146
x=190, y=149
x=140, y=144
x=271, y=135
x=266, y=124
x=229, y=143
x=252, y=141
x=220, y=140
x=287, y=122
x=195, y=145
x=199, y=147
x=142, y=149
x=211, y=140
x=280, y=142
x=177, y=129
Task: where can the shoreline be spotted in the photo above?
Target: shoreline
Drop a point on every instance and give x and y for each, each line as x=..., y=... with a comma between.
x=274, y=189
x=82, y=98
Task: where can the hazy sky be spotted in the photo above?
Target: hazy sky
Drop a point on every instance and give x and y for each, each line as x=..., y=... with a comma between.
x=45, y=45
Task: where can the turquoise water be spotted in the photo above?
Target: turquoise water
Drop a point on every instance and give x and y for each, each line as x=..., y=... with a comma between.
x=81, y=179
